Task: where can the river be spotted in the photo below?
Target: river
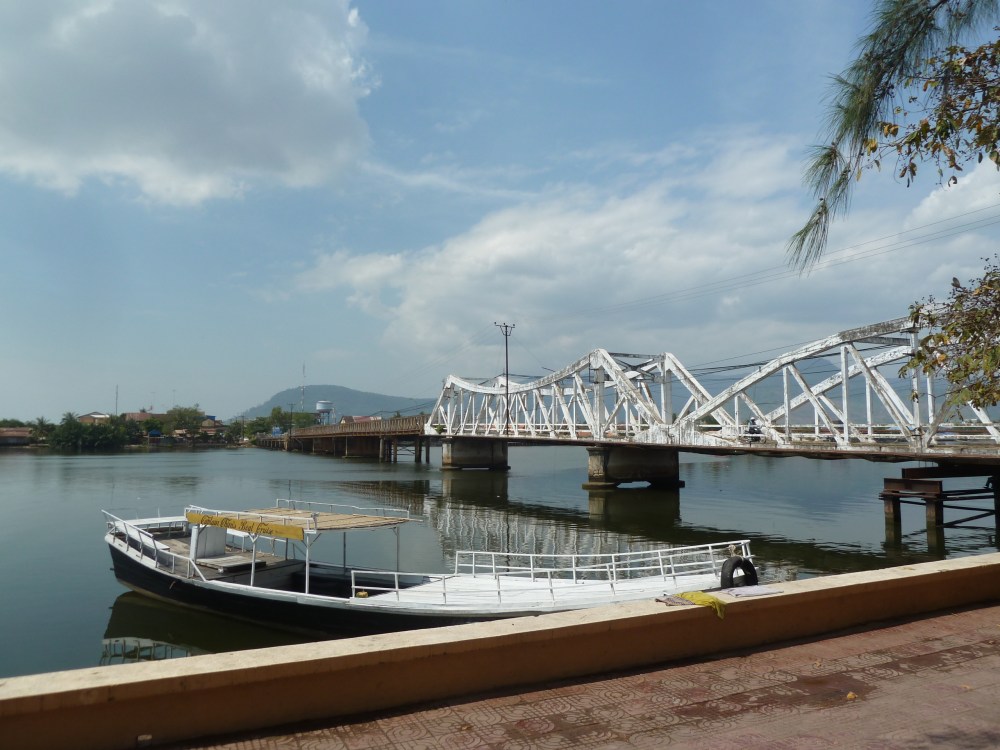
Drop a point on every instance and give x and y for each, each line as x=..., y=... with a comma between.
x=63, y=608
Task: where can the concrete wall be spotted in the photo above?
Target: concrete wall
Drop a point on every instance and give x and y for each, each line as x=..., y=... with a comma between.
x=118, y=707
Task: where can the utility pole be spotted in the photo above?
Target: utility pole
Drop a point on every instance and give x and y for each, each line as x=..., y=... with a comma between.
x=506, y=329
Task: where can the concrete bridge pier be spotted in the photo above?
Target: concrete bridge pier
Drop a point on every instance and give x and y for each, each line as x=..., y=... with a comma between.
x=474, y=453
x=611, y=465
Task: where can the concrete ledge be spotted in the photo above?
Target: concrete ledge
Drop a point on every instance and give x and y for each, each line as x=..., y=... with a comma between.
x=112, y=707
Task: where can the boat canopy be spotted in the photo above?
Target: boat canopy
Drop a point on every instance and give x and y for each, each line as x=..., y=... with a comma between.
x=288, y=523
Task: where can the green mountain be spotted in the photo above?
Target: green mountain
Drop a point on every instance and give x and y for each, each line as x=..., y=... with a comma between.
x=346, y=402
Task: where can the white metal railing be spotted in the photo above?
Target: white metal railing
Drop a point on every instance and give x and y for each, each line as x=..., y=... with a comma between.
x=365, y=589
x=668, y=562
x=511, y=575
x=139, y=542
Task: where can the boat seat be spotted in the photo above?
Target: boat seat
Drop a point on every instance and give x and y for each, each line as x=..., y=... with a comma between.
x=132, y=533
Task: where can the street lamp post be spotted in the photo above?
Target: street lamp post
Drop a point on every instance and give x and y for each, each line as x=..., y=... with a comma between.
x=506, y=329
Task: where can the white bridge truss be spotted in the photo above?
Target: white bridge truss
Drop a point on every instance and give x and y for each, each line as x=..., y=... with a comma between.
x=851, y=405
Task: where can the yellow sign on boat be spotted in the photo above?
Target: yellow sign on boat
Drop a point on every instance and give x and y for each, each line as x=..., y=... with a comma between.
x=248, y=525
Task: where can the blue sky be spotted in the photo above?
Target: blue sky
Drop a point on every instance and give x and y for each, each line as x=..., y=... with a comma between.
x=198, y=201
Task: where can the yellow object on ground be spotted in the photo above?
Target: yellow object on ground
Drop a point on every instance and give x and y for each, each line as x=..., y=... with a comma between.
x=705, y=600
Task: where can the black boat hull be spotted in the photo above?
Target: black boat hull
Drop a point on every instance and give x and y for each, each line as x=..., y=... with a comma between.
x=342, y=620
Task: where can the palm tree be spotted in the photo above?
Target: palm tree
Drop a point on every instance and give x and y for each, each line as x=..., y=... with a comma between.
x=41, y=428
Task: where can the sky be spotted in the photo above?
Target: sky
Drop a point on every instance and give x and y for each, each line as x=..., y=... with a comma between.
x=210, y=202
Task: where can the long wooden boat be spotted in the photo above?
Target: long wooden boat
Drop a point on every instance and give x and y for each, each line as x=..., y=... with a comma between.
x=258, y=565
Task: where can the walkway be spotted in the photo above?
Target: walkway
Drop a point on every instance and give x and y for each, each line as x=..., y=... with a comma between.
x=925, y=683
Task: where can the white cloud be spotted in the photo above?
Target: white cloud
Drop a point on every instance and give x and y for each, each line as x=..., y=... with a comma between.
x=186, y=100
x=683, y=263
x=745, y=168
x=589, y=268
x=974, y=190
x=448, y=178
x=365, y=275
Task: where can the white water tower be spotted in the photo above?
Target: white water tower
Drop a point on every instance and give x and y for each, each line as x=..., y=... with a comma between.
x=325, y=411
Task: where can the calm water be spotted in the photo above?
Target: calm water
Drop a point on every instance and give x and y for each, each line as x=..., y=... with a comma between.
x=63, y=608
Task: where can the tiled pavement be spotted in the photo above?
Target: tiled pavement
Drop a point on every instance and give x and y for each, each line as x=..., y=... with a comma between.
x=926, y=683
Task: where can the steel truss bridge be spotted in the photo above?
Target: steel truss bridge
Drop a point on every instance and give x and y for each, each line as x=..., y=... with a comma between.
x=831, y=398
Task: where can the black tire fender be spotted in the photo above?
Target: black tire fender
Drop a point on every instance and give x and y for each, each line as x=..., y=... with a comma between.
x=741, y=564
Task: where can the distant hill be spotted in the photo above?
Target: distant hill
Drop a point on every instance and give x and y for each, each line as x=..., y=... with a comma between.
x=346, y=402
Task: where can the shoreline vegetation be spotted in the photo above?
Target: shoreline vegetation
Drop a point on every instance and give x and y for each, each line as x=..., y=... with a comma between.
x=180, y=427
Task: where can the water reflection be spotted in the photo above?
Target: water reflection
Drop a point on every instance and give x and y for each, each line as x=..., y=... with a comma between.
x=630, y=509
x=144, y=629
x=949, y=540
x=127, y=650
x=481, y=510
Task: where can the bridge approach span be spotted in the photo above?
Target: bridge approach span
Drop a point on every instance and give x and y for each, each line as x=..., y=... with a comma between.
x=385, y=439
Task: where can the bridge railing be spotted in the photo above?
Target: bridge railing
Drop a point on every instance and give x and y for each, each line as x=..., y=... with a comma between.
x=392, y=426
